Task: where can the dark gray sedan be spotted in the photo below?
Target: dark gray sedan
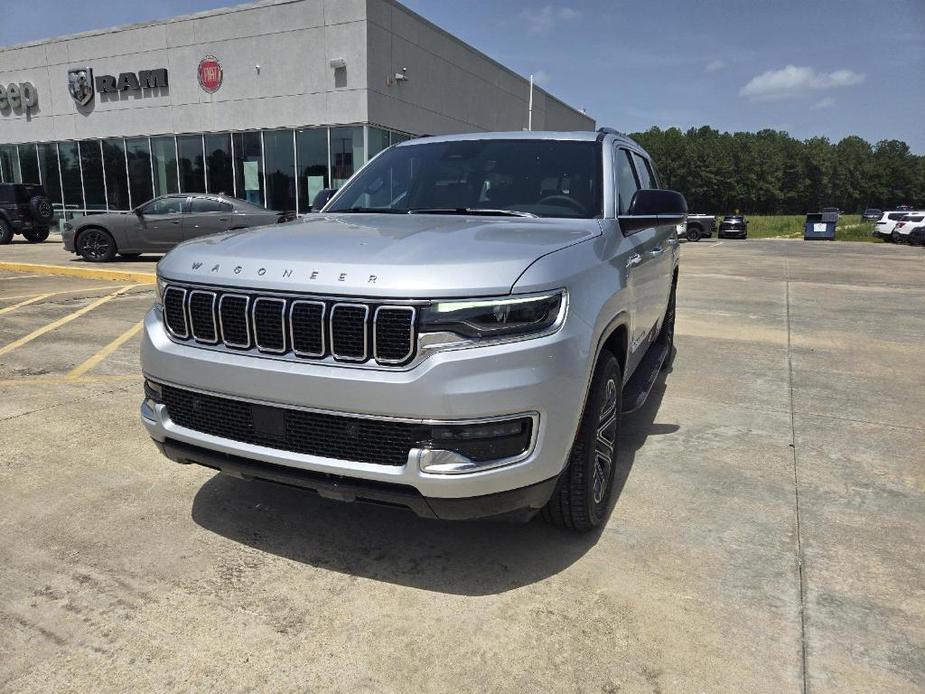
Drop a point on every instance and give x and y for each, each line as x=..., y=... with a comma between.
x=162, y=223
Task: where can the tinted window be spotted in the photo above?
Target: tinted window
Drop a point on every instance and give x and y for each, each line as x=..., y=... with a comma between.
x=646, y=179
x=116, y=180
x=209, y=205
x=91, y=158
x=896, y=216
x=626, y=180
x=139, y=169
x=29, y=164
x=192, y=171
x=916, y=218
x=164, y=206
x=218, y=163
x=248, y=162
x=164, y=155
x=545, y=178
x=70, y=174
x=312, y=152
x=279, y=156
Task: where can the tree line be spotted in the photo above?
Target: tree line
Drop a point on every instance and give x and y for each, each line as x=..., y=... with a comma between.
x=770, y=172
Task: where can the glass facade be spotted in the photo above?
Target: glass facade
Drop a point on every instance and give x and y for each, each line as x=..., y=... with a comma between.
x=281, y=169
x=192, y=169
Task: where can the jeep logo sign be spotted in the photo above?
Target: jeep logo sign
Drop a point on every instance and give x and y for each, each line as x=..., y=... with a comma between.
x=18, y=96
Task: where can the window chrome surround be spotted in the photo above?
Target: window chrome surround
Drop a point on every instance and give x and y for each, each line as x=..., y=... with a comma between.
x=412, y=341
x=322, y=327
x=192, y=326
x=365, y=330
x=282, y=322
x=247, y=320
x=185, y=335
x=416, y=456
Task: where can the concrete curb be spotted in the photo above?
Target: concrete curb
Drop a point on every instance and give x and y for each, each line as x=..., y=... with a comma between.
x=86, y=272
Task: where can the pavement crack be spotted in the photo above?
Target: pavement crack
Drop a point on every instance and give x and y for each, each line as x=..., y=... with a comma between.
x=64, y=403
x=801, y=569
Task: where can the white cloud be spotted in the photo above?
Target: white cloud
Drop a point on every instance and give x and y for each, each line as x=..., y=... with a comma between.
x=541, y=77
x=715, y=65
x=827, y=102
x=793, y=81
x=542, y=20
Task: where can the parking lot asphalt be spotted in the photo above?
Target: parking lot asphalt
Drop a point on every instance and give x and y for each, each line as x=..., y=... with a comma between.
x=766, y=538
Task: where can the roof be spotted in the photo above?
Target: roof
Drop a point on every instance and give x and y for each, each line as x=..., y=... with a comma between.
x=575, y=136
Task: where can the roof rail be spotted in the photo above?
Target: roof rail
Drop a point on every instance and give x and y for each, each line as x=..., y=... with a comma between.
x=611, y=131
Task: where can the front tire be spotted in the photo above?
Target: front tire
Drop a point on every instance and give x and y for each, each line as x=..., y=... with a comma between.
x=582, y=496
x=6, y=233
x=96, y=246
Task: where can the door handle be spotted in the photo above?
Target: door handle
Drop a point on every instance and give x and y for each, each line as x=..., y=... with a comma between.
x=655, y=252
x=633, y=260
x=175, y=221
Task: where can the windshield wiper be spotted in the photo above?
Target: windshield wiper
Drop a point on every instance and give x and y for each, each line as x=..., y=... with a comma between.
x=378, y=210
x=470, y=210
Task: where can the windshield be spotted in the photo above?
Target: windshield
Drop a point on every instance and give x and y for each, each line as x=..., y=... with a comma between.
x=542, y=178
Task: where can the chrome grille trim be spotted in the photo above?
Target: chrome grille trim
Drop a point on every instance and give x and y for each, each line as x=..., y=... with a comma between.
x=185, y=335
x=322, y=328
x=282, y=317
x=411, y=336
x=191, y=323
x=365, y=331
x=247, y=320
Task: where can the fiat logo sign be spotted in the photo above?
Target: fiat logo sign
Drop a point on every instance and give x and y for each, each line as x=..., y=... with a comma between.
x=210, y=74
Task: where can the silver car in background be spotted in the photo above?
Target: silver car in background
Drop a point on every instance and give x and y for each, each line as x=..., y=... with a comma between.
x=162, y=223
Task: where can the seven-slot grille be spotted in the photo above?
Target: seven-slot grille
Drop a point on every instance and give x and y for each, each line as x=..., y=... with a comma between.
x=309, y=328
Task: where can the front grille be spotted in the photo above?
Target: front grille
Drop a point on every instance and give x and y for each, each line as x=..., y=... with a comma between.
x=379, y=442
x=303, y=327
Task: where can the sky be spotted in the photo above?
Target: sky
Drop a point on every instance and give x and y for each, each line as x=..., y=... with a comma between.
x=809, y=67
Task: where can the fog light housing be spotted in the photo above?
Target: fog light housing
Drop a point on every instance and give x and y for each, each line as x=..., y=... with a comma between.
x=460, y=448
x=153, y=395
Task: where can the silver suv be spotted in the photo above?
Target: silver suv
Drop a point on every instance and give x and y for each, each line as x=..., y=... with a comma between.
x=458, y=332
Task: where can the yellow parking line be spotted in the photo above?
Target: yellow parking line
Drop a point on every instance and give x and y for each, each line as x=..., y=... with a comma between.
x=61, y=321
x=24, y=303
x=63, y=291
x=79, y=371
x=76, y=271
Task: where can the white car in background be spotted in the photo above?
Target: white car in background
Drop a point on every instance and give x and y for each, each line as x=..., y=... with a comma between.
x=884, y=228
x=904, y=226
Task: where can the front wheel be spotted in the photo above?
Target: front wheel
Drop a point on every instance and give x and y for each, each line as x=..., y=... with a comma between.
x=6, y=232
x=96, y=246
x=582, y=496
x=694, y=234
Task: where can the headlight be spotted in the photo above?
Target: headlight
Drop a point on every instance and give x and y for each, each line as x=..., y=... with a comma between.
x=524, y=316
x=159, y=287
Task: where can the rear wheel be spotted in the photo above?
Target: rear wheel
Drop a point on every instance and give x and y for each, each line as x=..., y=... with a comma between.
x=6, y=232
x=96, y=245
x=582, y=496
x=36, y=235
x=694, y=234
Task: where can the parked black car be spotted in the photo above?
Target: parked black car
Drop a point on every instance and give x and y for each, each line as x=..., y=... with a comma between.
x=872, y=214
x=26, y=210
x=733, y=226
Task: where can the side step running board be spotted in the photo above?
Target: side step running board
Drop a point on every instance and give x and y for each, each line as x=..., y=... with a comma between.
x=637, y=389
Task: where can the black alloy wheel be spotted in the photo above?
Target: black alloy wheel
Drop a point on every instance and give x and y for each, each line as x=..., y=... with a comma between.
x=694, y=234
x=581, y=500
x=96, y=246
x=36, y=235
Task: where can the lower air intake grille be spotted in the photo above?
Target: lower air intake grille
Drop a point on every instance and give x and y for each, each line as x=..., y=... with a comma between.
x=329, y=436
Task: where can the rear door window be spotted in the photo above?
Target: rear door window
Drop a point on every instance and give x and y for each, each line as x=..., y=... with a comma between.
x=646, y=179
x=164, y=206
x=209, y=205
x=896, y=216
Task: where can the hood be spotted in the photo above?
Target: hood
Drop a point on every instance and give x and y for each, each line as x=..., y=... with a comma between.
x=393, y=255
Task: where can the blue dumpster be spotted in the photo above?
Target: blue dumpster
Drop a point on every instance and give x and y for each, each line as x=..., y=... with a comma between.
x=820, y=225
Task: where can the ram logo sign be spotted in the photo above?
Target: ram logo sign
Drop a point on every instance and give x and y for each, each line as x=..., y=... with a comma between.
x=80, y=85
x=80, y=82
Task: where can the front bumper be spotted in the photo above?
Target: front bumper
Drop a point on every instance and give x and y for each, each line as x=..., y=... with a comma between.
x=545, y=376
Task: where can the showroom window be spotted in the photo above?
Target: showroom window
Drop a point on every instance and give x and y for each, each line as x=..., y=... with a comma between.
x=346, y=153
x=69, y=157
x=164, y=159
x=139, y=170
x=91, y=160
x=378, y=140
x=248, y=166
x=312, y=154
x=192, y=171
x=116, y=179
x=9, y=164
x=48, y=164
x=279, y=156
x=219, y=177
x=29, y=164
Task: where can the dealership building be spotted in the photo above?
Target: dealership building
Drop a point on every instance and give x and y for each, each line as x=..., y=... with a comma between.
x=270, y=102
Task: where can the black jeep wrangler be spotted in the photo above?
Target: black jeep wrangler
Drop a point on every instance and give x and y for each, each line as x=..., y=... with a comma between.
x=26, y=210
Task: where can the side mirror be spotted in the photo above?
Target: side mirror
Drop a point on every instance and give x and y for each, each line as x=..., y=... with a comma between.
x=321, y=199
x=651, y=207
